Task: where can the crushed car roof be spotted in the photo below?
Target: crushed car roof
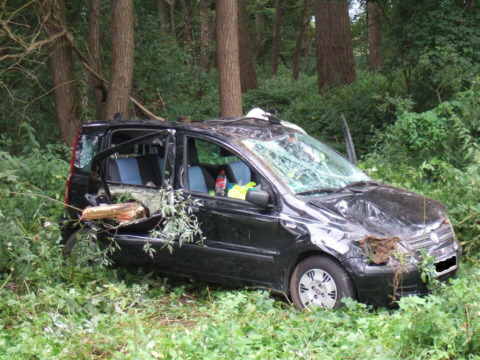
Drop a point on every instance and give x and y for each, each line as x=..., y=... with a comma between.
x=239, y=128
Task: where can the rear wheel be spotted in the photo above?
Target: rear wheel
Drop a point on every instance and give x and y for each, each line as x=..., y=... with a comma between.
x=319, y=281
x=73, y=239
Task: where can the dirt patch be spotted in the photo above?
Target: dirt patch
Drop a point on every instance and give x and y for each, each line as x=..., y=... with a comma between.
x=381, y=248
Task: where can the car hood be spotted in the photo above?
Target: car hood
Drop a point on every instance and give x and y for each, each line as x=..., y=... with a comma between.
x=384, y=210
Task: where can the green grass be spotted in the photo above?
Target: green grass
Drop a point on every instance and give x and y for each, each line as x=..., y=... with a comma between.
x=144, y=316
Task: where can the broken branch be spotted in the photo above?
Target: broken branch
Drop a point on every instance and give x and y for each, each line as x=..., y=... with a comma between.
x=34, y=46
x=86, y=62
x=117, y=212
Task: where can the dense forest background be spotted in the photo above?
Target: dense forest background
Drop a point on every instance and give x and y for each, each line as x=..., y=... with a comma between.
x=406, y=75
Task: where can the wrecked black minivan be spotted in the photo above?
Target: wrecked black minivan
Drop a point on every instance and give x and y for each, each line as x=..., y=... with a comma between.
x=302, y=221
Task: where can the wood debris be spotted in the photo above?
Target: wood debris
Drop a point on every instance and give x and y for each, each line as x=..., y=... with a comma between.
x=117, y=212
x=380, y=248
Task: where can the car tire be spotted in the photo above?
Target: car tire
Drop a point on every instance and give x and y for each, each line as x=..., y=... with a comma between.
x=319, y=281
x=73, y=239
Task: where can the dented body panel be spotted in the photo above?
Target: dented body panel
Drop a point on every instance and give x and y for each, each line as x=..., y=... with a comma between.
x=247, y=244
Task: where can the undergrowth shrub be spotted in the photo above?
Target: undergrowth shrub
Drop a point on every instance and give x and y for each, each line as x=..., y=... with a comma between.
x=360, y=102
x=437, y=153
x=32, y=191
x=146, y=318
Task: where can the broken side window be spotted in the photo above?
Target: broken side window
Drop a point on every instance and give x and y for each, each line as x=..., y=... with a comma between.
x=140, y=162
x=206, y=160
x=87, y=148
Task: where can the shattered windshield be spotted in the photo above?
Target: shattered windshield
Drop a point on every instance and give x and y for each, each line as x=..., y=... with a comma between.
x=304, y=164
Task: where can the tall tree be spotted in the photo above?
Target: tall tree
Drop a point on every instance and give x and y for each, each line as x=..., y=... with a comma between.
x=298, y=46
x=228, y=59
x=188, y=30
x=259, y=35
x=335, y=62
x=276, y=36
x=121, y=69
x=206, y=25
x=61, y=69
x=248, y=76
x=94, y=47
x=374, y=35
x=173, y=29
x=162, y=9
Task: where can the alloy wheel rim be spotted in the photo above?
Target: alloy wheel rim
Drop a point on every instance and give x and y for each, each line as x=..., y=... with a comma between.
x=317, y=288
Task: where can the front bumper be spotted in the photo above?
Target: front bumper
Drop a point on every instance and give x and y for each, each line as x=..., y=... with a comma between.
x=383, y=285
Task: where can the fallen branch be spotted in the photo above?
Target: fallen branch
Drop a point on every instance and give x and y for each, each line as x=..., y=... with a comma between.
x=467, y=218
x=117, y=212
x=8, y=192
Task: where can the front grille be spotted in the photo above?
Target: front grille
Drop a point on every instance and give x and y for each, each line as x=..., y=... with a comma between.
x=427, y=240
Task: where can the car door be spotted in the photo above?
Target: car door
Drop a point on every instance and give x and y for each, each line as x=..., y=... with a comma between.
x=240, y=238
x=135, y=166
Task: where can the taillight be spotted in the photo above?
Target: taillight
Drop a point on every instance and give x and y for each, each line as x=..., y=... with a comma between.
x=67, y=190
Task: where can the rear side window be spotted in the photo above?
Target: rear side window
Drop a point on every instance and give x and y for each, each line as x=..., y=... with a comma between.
x=141, y=161
x=87, y=148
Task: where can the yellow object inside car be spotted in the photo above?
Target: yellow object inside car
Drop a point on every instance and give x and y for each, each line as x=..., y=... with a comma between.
x=240, y=191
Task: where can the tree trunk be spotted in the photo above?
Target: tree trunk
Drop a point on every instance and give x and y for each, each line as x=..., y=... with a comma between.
x=335, y=64
x=248, y=76
x=298, y=45
x=61, y=68
x=121, y=70
x=188, y=30
x=374, y=35
x=94, y=47
x=205, y=39
x=276, y=36
x=172, y=19
x=308, y=40
x=162, y=9
x=228, y=59
x=259, y=36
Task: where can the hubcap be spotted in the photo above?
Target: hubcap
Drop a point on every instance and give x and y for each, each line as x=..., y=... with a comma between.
x=317, y=289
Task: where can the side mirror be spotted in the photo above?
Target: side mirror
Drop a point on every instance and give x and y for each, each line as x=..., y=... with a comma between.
x=258, y=197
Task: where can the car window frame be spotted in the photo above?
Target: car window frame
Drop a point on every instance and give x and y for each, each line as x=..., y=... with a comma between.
x=99, y=160
x=181, y=184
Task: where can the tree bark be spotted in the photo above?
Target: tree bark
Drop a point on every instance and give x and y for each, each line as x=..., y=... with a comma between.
x=248, y=76
x=374, y=35
x=298, y=45
x=164, y=21
x=61, y=69
x=276, y=36
x=121, y=70
x=335, y=64
x=228, y=59
x=94, y=46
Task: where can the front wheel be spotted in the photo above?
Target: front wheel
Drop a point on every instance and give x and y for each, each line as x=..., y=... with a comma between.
x=319, y=281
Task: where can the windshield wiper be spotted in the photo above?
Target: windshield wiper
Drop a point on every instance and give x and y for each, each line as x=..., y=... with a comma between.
x=335, y=190
x=317, y=191
x=357, y=183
